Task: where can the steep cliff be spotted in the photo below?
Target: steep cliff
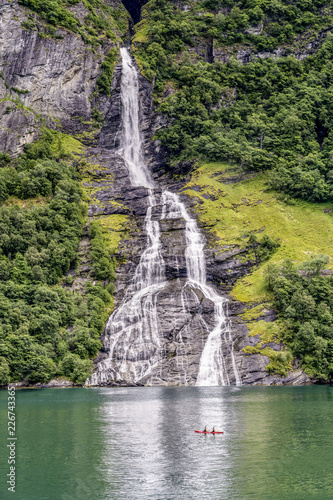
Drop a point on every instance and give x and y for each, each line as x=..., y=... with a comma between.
x=48, y=73
x=64, y=74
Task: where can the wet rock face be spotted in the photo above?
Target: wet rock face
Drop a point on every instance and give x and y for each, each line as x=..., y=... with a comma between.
x=110, y=134
x=183, y=334
x=59, y=76
x=185, y=316
x=54, y=76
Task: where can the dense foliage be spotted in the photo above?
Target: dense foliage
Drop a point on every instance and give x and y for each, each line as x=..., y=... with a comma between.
x=261, y=250
x=267, y=114
x=264, y=24
x=104, y=263
x=105, y=80
x=304, y=298
x=101, y=22
x=45, y=330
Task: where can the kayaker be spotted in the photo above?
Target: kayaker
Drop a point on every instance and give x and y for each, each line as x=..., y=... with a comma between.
x=213, y=431
x=205, y=429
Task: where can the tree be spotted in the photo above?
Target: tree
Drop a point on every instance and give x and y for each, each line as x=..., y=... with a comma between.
x=4, y=371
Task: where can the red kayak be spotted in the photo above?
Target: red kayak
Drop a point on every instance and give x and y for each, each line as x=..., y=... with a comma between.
x=206, y=432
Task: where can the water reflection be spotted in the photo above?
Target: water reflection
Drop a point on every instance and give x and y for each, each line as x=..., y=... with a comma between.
x=158, y=448
x=139, y=444
x=267, y=450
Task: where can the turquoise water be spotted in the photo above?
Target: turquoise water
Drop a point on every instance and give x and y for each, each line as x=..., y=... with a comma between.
x=138, y=443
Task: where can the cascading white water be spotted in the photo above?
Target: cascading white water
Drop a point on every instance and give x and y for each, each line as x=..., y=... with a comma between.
x=136, y=345
x=213, y=369
x=130, y=138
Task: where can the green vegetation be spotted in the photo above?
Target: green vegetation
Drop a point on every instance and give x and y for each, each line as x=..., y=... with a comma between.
x=105, y=80
x=261, y=24
x=268, y=114
x=96, y=115
x=54, y=12
x=45, y=329
x=279, y=361
x=103, y=263
x=234, y=212
x=304, y=299
x=234, y=205
x=20, y=91
x=101, y=22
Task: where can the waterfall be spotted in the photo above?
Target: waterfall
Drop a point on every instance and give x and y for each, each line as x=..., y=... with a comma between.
x=130, y=140
x=136, y=342
x=212, y=369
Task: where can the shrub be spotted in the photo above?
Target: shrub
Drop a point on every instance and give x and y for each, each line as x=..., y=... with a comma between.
x=104, y=81
x=304, y=298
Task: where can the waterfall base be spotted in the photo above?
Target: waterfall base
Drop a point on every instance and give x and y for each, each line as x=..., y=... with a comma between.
x=170, y=325
x=186, y=317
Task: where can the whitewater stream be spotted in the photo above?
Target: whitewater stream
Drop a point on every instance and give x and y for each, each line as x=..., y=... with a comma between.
x=136, y=344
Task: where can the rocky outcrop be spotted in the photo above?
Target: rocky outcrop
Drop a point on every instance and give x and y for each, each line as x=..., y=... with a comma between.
x=110, y=133
x=54, y=383
x=44, y=79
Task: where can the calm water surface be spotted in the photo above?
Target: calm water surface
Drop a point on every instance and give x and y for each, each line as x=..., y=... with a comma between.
x=138, y=443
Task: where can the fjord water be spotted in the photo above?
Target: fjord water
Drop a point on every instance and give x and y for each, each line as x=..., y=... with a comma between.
x=139, y=444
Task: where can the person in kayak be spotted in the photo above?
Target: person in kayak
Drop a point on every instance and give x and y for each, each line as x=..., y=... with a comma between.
x=205, y=429
x=213, y=431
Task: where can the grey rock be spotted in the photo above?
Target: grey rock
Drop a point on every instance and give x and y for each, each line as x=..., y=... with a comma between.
x=59, y=76
x=55, y=382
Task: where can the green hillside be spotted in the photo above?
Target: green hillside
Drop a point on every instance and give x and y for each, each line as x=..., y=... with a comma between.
x=248, y=86
x=246, y=215
x=246, y=90
x=46, y=329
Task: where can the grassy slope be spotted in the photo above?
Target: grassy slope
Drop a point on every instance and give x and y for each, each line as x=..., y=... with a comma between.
x=113, y=225
x=304, y=229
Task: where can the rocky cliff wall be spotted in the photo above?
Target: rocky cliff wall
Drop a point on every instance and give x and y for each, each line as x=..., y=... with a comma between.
x=183, y=335
x=45, y=80
x=51, y=80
